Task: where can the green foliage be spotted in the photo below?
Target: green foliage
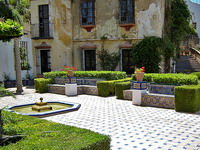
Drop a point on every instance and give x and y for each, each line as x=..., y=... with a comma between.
x=107, y=88
x=119, y=87
x=108, y=61
x=179, y=21
x=187, y=98
x=5, y=92
x=41, y=84
x=42, y=134
x=10, y=29
x=170, y=78
x=108, y=75
x=147, y=54
x=197, y=74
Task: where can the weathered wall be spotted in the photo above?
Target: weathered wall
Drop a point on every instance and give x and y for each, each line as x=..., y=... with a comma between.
x=149, y=21
x=60, y=18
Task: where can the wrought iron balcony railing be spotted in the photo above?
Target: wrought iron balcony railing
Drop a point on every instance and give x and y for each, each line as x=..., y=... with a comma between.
x=42, y=31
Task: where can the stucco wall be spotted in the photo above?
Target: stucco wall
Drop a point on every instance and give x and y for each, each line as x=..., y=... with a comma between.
x=61, y=43
x=149, y=21
x=7, y=59
x=195, y=11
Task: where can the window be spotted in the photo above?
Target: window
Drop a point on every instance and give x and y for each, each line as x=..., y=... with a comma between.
x=127, y=11
x=44, y=21
x=23, y=46
x=87, y=12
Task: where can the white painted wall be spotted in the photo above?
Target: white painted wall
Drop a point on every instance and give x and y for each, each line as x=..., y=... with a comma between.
x=7, y=59
x=195, y=11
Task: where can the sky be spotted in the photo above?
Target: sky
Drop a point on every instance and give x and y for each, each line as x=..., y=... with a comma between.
x=195, y=1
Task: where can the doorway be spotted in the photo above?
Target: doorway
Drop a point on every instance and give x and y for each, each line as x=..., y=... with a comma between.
x=45, y=61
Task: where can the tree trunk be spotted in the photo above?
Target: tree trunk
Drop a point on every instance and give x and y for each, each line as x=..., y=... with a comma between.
x=1, y=127
x=18, y=66
x=167, y=65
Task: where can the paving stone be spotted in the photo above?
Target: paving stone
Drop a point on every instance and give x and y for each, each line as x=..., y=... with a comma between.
x=130, y=127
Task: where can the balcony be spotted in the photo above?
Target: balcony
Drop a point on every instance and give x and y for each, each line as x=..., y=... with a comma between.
x=42, y=31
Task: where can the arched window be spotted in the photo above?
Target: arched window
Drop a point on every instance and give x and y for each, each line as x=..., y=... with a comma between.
x=87, y=12
x=127, y=12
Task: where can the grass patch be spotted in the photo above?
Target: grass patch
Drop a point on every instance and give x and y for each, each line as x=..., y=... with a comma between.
x=42, y=134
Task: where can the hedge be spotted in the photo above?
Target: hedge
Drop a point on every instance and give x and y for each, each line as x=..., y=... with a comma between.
x=170, y=78
x=41, y=134
x=197, y=74
x=107, y=88
x=187, y=98
x=108, y=75
x=119, y=87
x=41, y=84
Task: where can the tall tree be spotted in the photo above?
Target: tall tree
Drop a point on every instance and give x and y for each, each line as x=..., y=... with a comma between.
x=17, y=11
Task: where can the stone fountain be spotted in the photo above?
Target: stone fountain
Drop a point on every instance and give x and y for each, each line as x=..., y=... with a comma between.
x=39, y=106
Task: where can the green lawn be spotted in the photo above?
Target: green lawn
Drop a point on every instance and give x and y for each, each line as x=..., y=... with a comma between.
x=45, y=135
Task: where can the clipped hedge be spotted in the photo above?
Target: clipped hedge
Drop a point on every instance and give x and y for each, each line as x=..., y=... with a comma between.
x=108, y=75
x=41, y=84
x=119, y=87
x=197, y=74
x=107, y=88
x=187, y=98
x=40, y=134
x=170, y=78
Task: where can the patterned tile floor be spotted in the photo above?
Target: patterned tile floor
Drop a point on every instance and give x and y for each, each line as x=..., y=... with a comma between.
x=130, y=127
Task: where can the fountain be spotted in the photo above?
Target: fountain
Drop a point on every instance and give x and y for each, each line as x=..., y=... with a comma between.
x=41, y=106
x=44, y=109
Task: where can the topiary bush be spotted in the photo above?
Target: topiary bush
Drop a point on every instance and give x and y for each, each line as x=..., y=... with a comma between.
x=187, y=98
x=108, y=75
x=107, y=88
x=119, y=87
x=170, y=78
x=41, y=84
x=40, y=134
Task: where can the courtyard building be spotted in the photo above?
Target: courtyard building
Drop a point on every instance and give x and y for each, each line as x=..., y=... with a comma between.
x=66, y=32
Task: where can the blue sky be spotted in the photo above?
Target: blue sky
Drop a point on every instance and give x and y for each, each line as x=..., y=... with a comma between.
x=195, y=1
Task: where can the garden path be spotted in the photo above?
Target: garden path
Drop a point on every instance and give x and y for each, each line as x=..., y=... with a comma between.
x=130, y=127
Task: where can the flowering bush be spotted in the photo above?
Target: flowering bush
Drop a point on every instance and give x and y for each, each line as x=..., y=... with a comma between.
x=140, y=70
x=69, y=68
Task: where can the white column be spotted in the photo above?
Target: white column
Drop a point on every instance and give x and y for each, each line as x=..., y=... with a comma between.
x=137, y=96
x=71, y=89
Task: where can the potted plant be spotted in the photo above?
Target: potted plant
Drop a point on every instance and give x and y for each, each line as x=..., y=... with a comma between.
x=70, y=70
x=139, y=72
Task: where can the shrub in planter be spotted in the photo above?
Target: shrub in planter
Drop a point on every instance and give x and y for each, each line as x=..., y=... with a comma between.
x=107, y=88
x=41, y=84
x=119, y=87
x=187, y=98
x=169, y=78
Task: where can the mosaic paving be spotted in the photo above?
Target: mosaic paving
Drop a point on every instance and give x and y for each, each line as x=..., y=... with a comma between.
x=130, y=127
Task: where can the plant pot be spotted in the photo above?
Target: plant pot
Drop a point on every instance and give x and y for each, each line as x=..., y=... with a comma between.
x=139, y=76
x=70, y=73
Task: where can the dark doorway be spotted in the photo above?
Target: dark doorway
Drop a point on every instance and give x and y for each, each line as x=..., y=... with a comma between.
x=44, y=20
x=45, y=61
x=127, y=64
x=90, y=60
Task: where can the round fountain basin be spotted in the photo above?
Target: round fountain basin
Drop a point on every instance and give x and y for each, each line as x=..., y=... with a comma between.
x=57, y=108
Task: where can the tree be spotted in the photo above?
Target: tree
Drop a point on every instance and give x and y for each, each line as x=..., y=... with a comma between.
x=14, y=10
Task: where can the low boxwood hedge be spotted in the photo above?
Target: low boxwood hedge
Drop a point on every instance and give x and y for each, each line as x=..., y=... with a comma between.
x=107, y=88
x=170, y=78
x=108, y=75
x=187, y=98
x=41, y=84
x=197, y=74
x=119, y=87
x=41, y=134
